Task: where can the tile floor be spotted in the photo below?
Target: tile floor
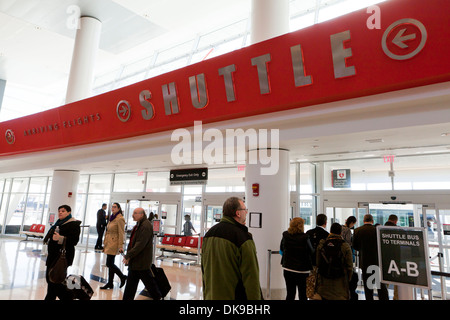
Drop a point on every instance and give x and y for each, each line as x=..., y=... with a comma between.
x=22, y=273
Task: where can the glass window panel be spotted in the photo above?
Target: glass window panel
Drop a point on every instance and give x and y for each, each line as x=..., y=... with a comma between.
x=226, y=47
x=100, y=183
x=365, y=174
x=34, y=209
x=307, y=209
x=15, y=213
x=106, y=79
x=301, y=22
x=307, y=178
x=79, y=208
x=123, y=82
x=192, y=190
x=159, y=182
x=4, y=198
x=175, y=52
x=94, y=203
x=38, y=185
x=136, y=67
x=222, y=180
x=7, y=185
x=216, y=36
x=167, y=67
x=129, y=182
x=82, y=183
x=335, y=9
x=292, y=177
x=20, y=184
x=2, y=183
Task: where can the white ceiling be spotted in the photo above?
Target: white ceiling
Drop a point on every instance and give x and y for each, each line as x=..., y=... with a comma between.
x=35, y=54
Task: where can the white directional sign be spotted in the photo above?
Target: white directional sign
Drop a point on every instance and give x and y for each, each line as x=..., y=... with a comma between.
x=404, y=39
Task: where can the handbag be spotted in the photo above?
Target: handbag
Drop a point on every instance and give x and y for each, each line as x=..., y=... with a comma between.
x=58, y=271
x=311, y=285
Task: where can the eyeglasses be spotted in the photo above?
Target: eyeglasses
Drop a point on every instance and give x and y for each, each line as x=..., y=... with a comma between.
x=246, y=210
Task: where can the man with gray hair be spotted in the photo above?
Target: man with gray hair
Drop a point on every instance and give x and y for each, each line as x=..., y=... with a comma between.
x=365, y=241
x=229, y=263
x=139, y=257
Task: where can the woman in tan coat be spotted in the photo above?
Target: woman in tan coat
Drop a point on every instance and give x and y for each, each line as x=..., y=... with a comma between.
x=113, y=244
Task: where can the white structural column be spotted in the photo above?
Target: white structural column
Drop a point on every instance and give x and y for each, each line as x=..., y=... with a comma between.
x=268, y=214
x=83, y=59
x=64, y=191
x=269, y=18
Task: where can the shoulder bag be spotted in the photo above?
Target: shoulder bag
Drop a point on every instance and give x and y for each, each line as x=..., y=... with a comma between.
x=58, y=272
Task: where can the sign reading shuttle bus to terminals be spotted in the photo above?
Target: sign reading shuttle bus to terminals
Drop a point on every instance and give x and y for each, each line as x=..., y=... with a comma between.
x=335, y=60
x=403, y=256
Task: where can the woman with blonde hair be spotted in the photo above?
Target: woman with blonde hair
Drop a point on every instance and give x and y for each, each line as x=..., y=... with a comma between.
x=297, y=254
x=113, y=244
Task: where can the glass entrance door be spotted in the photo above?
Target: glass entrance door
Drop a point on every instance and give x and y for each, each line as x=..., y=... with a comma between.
x=148, y=205
x=169, y=215
x=212, y=216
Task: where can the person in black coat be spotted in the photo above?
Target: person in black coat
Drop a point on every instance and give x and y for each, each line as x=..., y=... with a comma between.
x=67, y=229
x=101, y=225
x=139, y=257
x=297, y=256
x=318, y=233
x=365, y=241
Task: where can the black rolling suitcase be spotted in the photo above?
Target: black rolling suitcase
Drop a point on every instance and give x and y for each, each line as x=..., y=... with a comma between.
x=161, y=280
x=79, y=287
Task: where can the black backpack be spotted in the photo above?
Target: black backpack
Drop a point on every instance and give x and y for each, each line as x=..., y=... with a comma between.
x=330, y=259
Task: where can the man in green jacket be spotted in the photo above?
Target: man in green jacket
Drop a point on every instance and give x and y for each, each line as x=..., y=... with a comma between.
x=229, y=262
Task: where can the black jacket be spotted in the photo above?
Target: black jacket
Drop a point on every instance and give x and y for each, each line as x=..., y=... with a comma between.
x=365, y=241
x=71, y=232
x=297, y=251
x=101, y=218
x=317, y=234
x=140, y=249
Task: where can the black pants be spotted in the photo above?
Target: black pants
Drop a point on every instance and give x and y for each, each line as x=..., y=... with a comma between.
x=56, y=290
x=294, y=281
x=100, y=231
x=112, y=268
x=353, y=284
x=133, y=280
x=382, y=292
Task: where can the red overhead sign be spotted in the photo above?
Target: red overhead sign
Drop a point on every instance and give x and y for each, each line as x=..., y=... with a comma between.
x=335, y=60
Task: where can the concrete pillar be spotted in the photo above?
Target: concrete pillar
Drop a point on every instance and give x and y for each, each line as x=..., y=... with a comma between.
x=64, y=191
x=2, y=92
x=269, y=18
x=83, y=59
x=270, y=209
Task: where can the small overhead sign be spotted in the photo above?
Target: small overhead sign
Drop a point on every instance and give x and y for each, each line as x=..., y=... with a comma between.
x=341, y=178
x=189, y=176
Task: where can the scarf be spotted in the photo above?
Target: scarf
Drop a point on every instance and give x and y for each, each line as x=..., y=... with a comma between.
x=60, y=222
x=113, y=216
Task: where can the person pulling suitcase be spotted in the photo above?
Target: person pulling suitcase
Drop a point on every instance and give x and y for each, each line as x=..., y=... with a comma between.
x=139, y=258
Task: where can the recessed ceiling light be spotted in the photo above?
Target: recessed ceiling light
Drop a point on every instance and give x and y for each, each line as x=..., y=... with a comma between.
x=445, y=134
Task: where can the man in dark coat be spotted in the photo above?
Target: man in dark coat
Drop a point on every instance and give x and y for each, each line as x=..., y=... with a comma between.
x=139, y=257
x=101, y=225
x=365, y=241
x=318, y=233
